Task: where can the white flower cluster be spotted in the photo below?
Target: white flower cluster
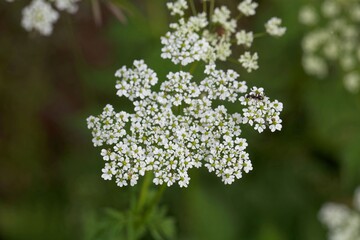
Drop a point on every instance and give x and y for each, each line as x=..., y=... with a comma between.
x=183, y=125
x=343, y=223
x=40, y=16
x=210, y=38
x=334, y=39
x=177, y=128
x=178, y=7
x=260, y=111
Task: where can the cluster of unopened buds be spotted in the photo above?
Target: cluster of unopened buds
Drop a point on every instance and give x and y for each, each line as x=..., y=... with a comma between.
x=333, y=41
x=343, y=222
x=40, y=16
x=183, y=125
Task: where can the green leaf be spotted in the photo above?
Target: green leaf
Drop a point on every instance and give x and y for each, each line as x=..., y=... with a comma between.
x=161, y=226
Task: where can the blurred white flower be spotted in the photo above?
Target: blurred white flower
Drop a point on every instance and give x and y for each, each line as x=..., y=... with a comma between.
x=352, y=82
x=39, y=16
x=333, y=41
x=67, y=5
x=247, y=7
x=178, y=7
x=315, y=65
x=308, y=15
x=330, y=8
x=343, y=223
x=273, y=27
x=334, y=215
x=210, y=38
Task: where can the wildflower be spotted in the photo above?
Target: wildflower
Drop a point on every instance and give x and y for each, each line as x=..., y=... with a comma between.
x=332, y=41
x=222, y=17
x=315, y=66
x=248, y=61
x=67, y=5
x=352, y=82
x=244, y=38
x=342, y=221
x=178, y=7
x=273, y=27
x=247, y=7
x=260, y=111
x=185, y=45
x=308, y=15
x=329, y=8
x=169, y=142
x=192, y=39
x=39, y=16
x=179, y=128
x=334, y=215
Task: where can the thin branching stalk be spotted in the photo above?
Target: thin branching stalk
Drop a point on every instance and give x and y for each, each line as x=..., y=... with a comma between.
x=204, y=6
x=192, y=6
x=262, y=34
x=212, y=6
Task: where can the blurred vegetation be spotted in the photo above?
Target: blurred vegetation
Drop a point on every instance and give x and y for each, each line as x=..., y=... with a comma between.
x=50, y=184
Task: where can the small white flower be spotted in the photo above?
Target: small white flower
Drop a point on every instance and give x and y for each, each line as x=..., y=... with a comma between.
x=315, y=66
x=273, y=27
x=178, y=7
x=334, y=215
x=247, y=166
x=352, y=82
x=343, y=223
x=39, y=16
x=222, y=16
x=355, y=13
x=67, y=5
x=308, y=15
x=244, y=38
x=247, y=7
x=347, y=62
x=330, y=8
x=249, y=62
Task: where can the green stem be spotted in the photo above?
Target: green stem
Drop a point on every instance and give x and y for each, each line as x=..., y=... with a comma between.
x=143, y=192
x=131, y=221
x=256, y=35
x=204, y=6
x=153, y=204
x=239, y=16
x=233, y=60
x=157, y=197
x=192, y=6
x=212, y=6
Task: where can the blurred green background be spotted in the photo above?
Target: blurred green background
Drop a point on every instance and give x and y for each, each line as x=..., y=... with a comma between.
x=50, y=184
